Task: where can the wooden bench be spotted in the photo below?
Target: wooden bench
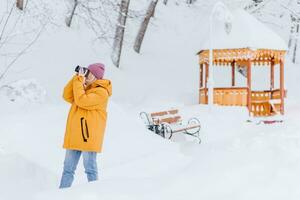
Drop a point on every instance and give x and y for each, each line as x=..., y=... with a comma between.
x=166, y=123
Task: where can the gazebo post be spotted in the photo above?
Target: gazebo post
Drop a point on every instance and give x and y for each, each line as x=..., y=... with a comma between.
x=282, y=86
x=201, y=75
x=272, y=75
x=206, y=74
x=249, y=85
x=233, y=73
x=206, y=79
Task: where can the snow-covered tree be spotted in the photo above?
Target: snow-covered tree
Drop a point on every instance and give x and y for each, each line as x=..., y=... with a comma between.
x=144, y=26
x=69, y=18
x=280, y=14
x=120, y=30
x=19, y=27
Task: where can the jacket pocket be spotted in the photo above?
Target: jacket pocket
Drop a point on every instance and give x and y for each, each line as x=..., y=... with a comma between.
x=84, y=129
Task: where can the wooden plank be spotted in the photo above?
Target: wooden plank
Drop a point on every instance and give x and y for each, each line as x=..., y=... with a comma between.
x=249, y=85
x=230, y=88
x=233, y=73
x=170, y=120
x=162, y=113
x=201, y=75
x=275, y=94
x=230, y=96
x=218, y=97
x=272, y=75
x=173, y=112
x=239, y=98
x=226, y=98
x=260, y=96
x=206, y=74
x=203, y=95
x=187, y=128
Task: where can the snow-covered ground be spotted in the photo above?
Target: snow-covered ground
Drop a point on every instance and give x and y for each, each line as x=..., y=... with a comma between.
x=236, y=160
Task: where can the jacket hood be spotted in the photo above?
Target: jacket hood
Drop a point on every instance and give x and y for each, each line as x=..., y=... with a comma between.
x=104, y=83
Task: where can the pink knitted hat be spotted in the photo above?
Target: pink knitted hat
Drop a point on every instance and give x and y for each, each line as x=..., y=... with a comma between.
x=97, y=70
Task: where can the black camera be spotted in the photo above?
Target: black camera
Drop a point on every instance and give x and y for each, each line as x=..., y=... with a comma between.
x=86, y=71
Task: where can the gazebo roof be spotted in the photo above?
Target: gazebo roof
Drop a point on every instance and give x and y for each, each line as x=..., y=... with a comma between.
x=241, y=56
x=248, y=40
x=246, y=32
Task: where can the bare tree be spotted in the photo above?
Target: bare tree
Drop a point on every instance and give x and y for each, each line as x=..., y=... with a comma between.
x=290, y=38
x=165, y=2
x=190, y=1
x=120, y=30
x=70, y=18
x=294, y=28
x=296, y=42
x=21, y=53
x=292, y=7
x=99, y=16
x=276, y=10
x=292, y=34
x=143, y=28
x=14, y=27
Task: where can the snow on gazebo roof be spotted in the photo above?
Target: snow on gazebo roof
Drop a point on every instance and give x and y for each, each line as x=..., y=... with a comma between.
x=246, y=32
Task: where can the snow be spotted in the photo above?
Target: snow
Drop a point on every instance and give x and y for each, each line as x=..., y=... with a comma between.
x=246, y=32
x=236, y=159
x=24, y=90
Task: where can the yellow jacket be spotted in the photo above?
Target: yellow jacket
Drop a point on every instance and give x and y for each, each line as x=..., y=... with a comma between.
x=87, y=116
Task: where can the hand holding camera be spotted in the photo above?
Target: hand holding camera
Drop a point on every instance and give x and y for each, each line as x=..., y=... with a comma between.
x=82, y=71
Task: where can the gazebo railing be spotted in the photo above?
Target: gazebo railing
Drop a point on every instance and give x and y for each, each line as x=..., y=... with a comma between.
x=226, y=96
x=203, y=96
x=266, y=103
x=263, y=103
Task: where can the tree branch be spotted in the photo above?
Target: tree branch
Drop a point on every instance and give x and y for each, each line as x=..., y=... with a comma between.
x=21, y=53
x=7, y=19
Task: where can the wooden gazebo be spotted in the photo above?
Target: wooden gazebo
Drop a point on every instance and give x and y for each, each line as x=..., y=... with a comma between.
x=268, y=51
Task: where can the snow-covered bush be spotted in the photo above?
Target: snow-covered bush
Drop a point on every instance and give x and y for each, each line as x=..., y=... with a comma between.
x=24, y=90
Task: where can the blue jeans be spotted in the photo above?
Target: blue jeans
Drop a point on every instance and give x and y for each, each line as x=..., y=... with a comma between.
x=70, y=164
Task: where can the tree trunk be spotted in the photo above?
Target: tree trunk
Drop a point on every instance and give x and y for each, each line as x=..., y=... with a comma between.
x=296, y=43
x=20, y=4
x=70, y=18
x=291, y=36
x=190, y=1
x=153, y=13
x=143, y=27
x=119, y=35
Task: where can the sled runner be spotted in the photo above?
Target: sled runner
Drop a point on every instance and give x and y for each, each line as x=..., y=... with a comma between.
x=166, y=123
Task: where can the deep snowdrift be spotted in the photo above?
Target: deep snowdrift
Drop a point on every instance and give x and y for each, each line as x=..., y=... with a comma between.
x=236, y=160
